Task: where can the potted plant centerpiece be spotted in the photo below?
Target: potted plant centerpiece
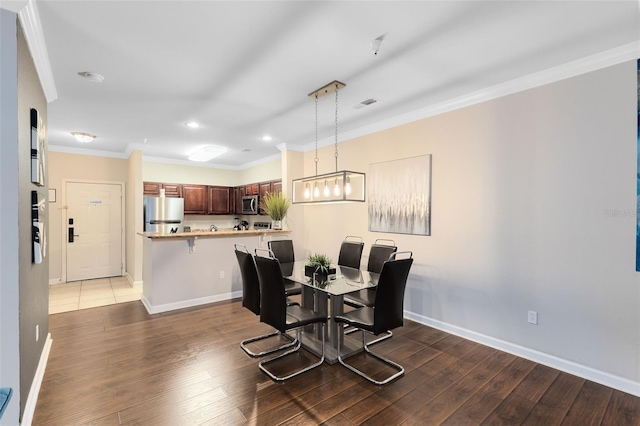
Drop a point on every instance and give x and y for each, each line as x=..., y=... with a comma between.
x=275, y=205
x=320, y=265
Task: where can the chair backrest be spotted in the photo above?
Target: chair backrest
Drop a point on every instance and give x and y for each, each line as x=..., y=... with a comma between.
x=389, y=302
x=350, y=253
x=273, y=299
x=378, y=254
x=283, y=250
x=250, y=283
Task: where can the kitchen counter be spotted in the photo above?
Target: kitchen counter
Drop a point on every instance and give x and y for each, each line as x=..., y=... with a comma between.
x=194, y=268
x=218, y=233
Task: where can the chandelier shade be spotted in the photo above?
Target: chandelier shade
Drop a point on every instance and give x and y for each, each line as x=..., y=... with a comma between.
x=344, y=185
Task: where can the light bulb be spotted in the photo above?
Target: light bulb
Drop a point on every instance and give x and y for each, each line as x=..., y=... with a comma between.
x=316, y=190
x=307, y=191
x=347, y=186
x=336, y=189
x=326, y=191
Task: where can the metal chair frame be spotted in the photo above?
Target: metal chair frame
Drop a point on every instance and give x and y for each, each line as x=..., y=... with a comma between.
x=394, y=365
x=244, y=344
x=262, y=364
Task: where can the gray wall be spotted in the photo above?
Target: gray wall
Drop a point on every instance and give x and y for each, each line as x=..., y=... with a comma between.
x=9, y=350
x=33, y=279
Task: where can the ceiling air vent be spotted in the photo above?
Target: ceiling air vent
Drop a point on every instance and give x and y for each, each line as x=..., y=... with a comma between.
x=245, y=150
x=365, y=103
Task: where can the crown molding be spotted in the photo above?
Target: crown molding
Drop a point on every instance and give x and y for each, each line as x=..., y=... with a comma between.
x=627, y=52
x=86, y=151
x=32, y=29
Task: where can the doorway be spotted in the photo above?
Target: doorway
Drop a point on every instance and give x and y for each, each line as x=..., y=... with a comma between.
x=94, y=232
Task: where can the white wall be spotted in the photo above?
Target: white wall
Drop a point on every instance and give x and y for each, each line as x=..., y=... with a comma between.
x=521, y=191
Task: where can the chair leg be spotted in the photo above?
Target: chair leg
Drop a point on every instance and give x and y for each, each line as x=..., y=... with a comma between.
x=246, y=349
x=386, y=336
x=381, y=358
x=295, y=373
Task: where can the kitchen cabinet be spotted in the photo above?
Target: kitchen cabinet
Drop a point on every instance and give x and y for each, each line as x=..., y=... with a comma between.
x=195, y=199
x=170, y=189
x=276, y=186
x=252, y=189
x=218, y=200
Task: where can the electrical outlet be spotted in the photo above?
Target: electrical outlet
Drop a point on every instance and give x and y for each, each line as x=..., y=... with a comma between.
x=533, y=317
x=37, y=333
x=221, y=274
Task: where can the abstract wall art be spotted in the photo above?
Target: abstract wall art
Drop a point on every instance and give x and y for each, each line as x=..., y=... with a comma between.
x=399, y=194
x=37, y=148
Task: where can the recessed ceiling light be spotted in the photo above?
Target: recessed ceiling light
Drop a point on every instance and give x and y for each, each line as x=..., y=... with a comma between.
x=192, y=124
x=207, y=153
x=91, y=76
x=83, y=137
x=267, y=138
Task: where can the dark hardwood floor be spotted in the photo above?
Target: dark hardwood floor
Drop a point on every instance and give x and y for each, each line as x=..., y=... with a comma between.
x=119, y=365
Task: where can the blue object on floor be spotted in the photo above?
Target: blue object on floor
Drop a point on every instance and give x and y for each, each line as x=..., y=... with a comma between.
x=5, y=397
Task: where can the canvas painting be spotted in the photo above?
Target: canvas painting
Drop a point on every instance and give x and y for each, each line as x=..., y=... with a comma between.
x=399, y=194
x=37, y=148
x=38, y=234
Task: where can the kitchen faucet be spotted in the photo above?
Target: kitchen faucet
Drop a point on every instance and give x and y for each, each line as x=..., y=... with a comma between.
x=213, y=228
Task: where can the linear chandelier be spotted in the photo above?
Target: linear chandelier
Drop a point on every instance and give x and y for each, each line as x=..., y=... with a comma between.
x=343, y=185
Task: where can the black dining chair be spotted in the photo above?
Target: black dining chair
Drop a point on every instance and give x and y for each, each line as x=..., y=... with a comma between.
x=251, y=298
x=386, y=313
x=351, y=252
x=283, y=251
x=275, y=312
x=380, y=252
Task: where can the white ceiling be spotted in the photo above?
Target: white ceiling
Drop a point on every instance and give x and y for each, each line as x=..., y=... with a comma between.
x=244, y=69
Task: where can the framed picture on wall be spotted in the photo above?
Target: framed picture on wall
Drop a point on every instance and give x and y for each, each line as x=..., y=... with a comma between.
x=37, y=148
x=399, y=193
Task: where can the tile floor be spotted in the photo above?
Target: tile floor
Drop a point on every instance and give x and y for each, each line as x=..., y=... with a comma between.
x=91, y=293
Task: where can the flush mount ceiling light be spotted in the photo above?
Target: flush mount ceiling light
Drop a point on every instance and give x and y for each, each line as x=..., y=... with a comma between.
x=207, y=153
x=91, y=76
x=267, y=138
x=341, y=185
x=83, y=137
x=192, y=124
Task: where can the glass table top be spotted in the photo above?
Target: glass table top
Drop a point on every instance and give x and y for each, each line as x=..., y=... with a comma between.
x=345, y=280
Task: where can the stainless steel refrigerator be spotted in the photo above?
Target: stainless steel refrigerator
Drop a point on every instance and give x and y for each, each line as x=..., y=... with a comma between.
x=163, y=214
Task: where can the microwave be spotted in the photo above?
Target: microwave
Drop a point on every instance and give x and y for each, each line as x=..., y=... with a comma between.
x=250, y=204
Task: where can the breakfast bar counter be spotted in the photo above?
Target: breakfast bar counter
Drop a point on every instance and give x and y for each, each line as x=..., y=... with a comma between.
x=194, y=268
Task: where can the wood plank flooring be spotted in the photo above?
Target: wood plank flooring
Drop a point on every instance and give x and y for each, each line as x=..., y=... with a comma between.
x=118, y=365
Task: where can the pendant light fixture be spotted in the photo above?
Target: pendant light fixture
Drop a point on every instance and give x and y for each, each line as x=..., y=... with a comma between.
x=337, y=186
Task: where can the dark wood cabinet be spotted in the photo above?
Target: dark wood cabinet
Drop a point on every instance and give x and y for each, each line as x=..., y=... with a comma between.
x=241, y=193
x=195, y=199
x=170, y=189
x=276, y=186
x=218, y=200
x=210, y=199
x=252, y=189
x=151, y=188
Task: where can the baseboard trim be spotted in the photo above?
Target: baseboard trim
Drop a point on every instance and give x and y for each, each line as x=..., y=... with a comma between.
x=134, y=284
x=55, y=281
x=606, y=379
x=32, y=398
x=188, y=303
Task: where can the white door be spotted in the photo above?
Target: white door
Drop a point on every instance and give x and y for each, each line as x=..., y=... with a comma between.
x=93, y=230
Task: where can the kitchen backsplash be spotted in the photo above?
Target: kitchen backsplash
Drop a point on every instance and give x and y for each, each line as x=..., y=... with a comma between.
x=220, y=221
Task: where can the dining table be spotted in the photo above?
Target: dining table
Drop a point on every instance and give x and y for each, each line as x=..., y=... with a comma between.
x=324, y=293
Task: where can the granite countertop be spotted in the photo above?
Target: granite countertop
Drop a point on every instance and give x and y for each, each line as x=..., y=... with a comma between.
x=219, y=233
